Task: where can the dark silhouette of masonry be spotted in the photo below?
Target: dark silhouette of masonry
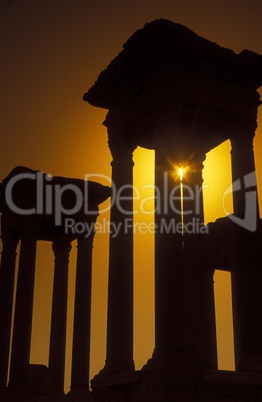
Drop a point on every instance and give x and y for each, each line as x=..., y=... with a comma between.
x=181, y=95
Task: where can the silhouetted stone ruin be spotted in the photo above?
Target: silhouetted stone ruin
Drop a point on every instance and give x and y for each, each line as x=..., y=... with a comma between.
x=181, y=95
x=37, y=193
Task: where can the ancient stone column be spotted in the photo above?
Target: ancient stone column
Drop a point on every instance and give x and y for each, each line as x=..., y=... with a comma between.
x=199, y=289
x=82, y=317
x=246, y=275
x=170, y=325
x=7, y=274
x=119, y=355
x=244, y=179
x=20, y=356
x=57, y=349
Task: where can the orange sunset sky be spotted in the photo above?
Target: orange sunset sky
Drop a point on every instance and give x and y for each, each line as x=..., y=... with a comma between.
x=51, y=53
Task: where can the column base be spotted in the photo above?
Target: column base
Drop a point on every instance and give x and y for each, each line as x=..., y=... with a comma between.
x=251, y=363
x=52, y=398
x=114, y=383
x=172, y=362
x=114, y=387
x=101, y=380
x=3, y=394
x=166, y=368
x=170, y=375
x=80, y=395
x=115, y=368
x=111, y=370
x=17, y=393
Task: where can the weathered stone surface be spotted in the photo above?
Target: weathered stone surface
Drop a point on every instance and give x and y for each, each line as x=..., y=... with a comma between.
x=165, y=67
x=221, y=392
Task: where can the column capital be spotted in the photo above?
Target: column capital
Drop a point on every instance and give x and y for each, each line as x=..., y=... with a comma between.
x=83, y=240
x=120, y=145
x=196, y=158
x=242, y=128
x=61, y=248
x=242, y=143
x=194, y=169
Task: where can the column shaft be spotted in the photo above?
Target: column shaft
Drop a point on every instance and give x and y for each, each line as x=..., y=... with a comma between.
x=23, y=314
x=170, y=325
x=199, y=278
x=82, y=317
x=7, y=274
x=59, y=316
x=246, y=275
x=119, y=355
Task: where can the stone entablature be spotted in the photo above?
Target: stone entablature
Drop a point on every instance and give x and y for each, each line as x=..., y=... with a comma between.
x=166, y=70
x=51, y=199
